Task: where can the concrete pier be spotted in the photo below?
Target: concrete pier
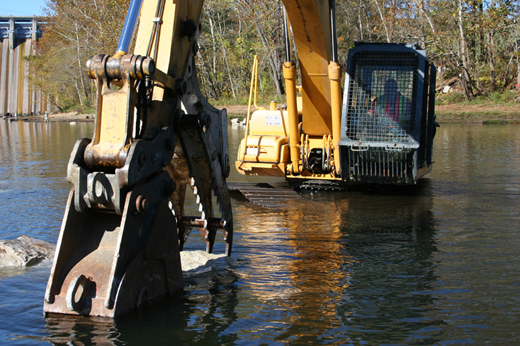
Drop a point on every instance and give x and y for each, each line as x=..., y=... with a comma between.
x=18, y=36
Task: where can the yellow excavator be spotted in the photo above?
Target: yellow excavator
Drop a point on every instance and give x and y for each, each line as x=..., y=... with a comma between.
x=125, y=222
x=378, y=131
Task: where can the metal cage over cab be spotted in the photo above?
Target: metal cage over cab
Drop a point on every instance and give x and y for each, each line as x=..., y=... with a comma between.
x=387, y=124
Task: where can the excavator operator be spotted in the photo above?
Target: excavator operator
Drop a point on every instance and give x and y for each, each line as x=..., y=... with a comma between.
x=395, y=105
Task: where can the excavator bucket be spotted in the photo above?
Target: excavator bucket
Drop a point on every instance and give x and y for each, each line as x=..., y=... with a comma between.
x=106, y=263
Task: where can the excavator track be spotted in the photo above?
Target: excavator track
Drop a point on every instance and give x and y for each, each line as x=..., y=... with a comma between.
x=266, y=195
x=321, y=185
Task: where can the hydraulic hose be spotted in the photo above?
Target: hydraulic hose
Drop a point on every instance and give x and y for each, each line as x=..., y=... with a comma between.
x=332, y=5
x=286, y=37
x=129, y=27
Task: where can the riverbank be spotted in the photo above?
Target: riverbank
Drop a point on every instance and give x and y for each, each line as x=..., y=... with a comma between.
x=57, y=117
x=484, y=114
x=451, y=113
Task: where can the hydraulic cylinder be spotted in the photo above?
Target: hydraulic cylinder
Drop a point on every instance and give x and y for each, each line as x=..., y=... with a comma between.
x=289, y=73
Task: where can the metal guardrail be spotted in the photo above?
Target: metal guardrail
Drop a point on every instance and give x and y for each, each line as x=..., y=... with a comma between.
x=20, y=28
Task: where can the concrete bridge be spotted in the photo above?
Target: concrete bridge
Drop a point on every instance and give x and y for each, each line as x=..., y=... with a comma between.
x=18, y=36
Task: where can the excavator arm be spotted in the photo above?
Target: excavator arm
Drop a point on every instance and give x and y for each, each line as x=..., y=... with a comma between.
x=310, y=126
x=124, y=222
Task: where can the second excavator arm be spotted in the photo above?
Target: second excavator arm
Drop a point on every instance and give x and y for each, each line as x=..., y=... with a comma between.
x=322, y=140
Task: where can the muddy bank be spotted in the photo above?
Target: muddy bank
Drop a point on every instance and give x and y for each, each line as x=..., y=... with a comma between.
x=58, y=117
x=478, y=114
x=234, y=111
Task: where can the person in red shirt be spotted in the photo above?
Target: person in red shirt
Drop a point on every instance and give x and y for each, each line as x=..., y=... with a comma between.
x=395, y=105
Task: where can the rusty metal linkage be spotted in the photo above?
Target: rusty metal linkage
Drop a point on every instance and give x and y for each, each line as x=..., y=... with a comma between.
x=124, y=225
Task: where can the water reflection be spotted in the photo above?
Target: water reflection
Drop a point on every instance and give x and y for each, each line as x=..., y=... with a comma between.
x=319, y=271
x=392, y=239
x=433, y=265
x=68, y=330
x=198, y=318
x=336, y=268
x=477, y=203
x=33, y=169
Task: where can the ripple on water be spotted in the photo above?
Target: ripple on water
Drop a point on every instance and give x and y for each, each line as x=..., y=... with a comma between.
x=437, y=265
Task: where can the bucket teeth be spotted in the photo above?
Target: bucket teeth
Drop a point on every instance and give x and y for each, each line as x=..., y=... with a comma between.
x=207, y=181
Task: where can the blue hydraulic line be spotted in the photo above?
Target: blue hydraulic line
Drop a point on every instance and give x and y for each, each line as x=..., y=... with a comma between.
x=286, y=37
x=129, y=27
x=334, y=37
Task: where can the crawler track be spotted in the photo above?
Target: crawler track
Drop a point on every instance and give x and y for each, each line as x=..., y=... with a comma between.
x=264, y=194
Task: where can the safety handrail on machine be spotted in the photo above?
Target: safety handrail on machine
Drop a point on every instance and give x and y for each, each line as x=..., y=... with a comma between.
x=252, y=96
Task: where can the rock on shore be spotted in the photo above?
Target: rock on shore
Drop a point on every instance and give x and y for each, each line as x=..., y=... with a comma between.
x=24, y=251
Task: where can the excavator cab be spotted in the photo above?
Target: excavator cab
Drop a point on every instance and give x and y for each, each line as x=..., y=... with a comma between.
x=387, y=121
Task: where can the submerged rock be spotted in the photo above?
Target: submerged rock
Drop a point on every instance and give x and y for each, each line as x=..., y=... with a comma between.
x=24, y=251
x=204, y=272
x=200, y=269
x=199, y=260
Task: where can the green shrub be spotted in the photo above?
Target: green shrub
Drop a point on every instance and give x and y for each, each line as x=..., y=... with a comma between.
x=450, y=98
x=88, y=110
x=496, y=97
x=508, y=96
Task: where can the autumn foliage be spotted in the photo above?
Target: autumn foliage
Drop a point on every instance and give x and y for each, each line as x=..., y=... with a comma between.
x=475, y=42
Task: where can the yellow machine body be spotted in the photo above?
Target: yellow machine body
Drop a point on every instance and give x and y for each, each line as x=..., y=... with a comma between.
x=310, y=124
x=321, y=133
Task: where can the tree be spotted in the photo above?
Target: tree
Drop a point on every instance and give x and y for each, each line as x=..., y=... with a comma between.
x=477, y=41
x=76, y=30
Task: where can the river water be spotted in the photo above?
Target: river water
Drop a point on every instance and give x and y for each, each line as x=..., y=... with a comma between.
x=437, y=264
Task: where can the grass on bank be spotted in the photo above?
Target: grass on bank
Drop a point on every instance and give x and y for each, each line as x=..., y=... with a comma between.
x=495, y=108
x=509, y=97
